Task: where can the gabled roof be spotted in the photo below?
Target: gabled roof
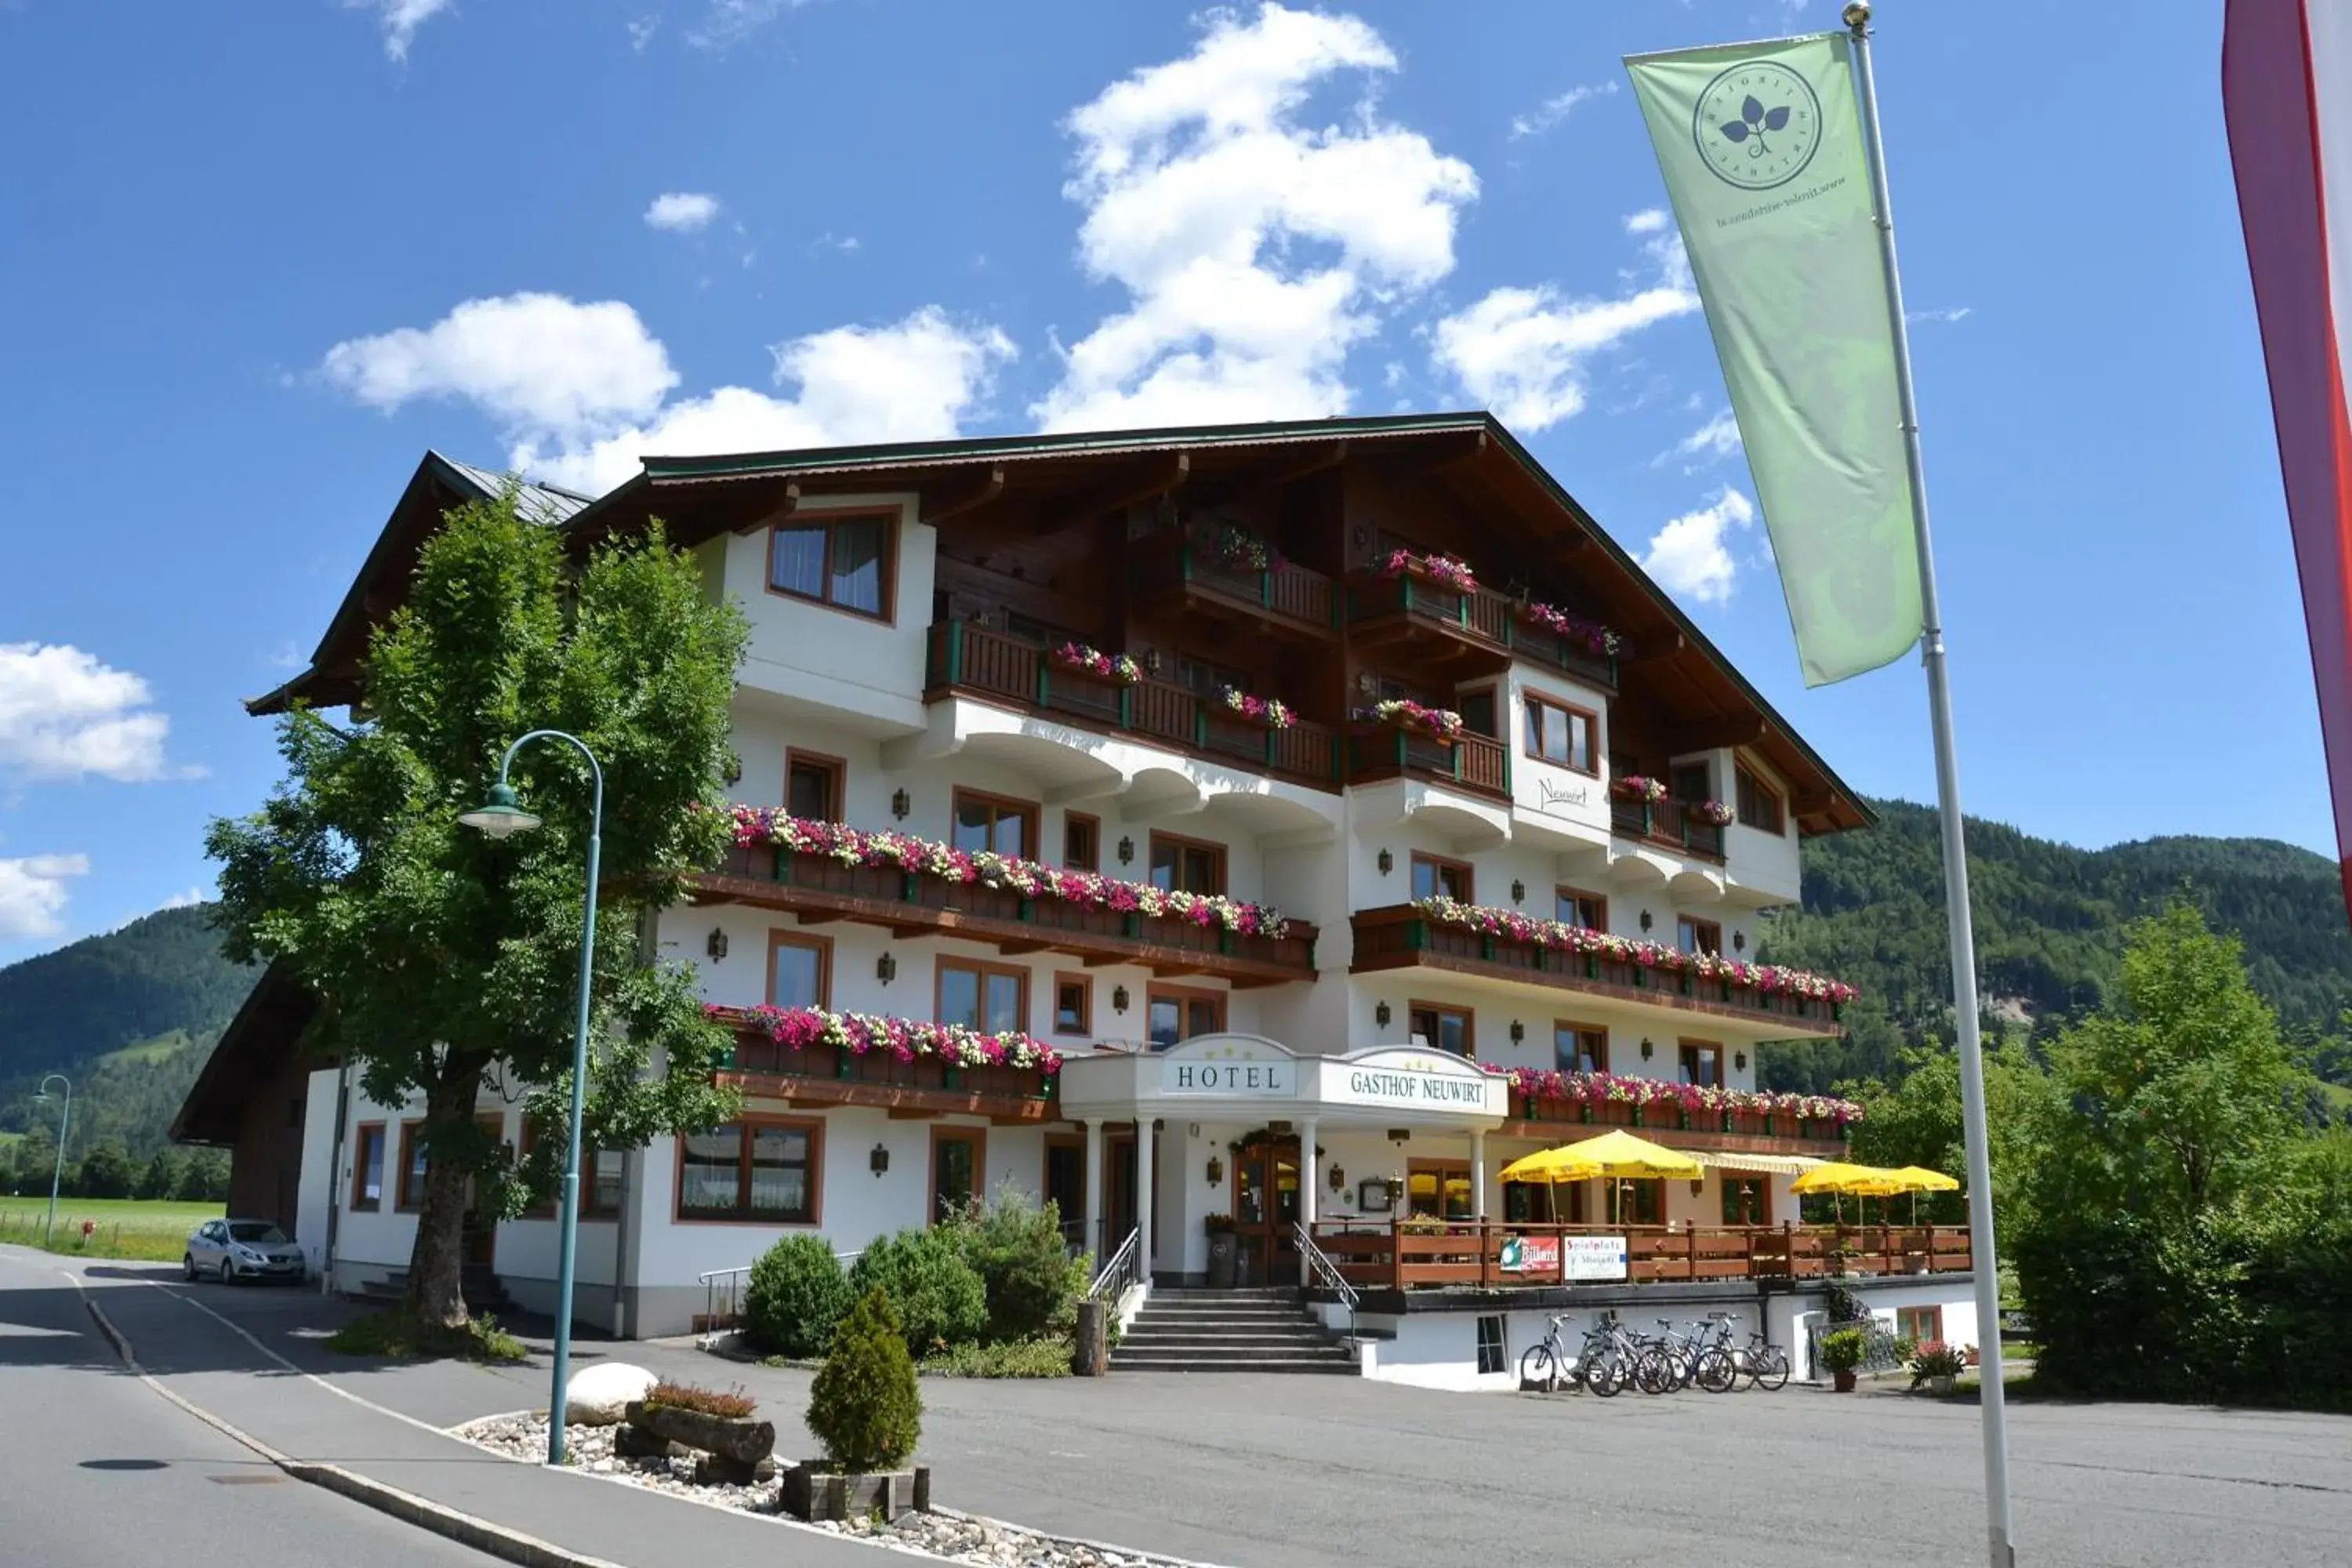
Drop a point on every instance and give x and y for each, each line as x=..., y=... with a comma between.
x=268, y=1027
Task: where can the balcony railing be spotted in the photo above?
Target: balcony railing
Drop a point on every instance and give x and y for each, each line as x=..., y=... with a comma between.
x=1480, y=617
x=1399, y=936
x=911, y=904
x=1409, y=1254
x=1753, y=1130
x=1285, y=596
x=982, y=662
x=1472, y=762
x=1670, y=822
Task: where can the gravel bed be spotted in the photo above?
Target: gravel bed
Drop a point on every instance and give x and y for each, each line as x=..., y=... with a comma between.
x=954, y=1537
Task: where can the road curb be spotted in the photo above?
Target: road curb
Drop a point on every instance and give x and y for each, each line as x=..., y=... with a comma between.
x=465, y=1529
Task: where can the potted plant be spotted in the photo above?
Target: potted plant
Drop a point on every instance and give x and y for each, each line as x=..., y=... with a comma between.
x=865, y=1409
x=1224, y=1248
x=1842, y=1354
x=1934, y=1365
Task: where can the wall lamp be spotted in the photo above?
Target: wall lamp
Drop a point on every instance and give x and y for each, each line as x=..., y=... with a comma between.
x=1386, y=862
x=1645, y=920
x=1339, y=1178
x=885, y=968
x=1118, y=998
x=1739, y=942
x=1217, y=1171
x=1126, y=850
x=1381, y=1015
x=1646, y=1048
x=1518, y=1031
x=899, y=805
x=717, y=946
x=1519, y=891
x=1740, y=1059
x=878, y=1161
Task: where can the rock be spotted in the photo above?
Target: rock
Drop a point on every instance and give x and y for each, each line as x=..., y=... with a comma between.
x=598, y=1394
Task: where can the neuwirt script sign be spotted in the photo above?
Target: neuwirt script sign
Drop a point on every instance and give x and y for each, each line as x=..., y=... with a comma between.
x=1409, y=1080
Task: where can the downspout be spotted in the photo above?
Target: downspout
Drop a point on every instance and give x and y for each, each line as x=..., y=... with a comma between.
x=335, y=1188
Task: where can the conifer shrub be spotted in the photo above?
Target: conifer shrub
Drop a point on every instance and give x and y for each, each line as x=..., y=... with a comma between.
x=797, y=1293
x=863, y=1407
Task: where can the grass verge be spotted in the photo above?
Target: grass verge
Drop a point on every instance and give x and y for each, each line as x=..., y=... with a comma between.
x=122, y=1234
x=399, y=1333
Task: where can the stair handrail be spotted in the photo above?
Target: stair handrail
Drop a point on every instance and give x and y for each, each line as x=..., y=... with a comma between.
x=1325, y=1273
x=1123, y=1270
x=726, y=1285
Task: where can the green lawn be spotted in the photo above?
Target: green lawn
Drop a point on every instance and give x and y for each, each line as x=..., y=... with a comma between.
x=126, y=1227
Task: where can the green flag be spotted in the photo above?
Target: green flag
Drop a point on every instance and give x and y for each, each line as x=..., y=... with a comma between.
x=1761, y=146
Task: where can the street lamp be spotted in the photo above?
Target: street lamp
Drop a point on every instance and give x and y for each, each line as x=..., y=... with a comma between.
x=65, y=1124
x=499, y=816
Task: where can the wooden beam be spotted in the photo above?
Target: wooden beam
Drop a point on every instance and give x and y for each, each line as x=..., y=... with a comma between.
x=976, y=491
x=1155, y=476
x=912, y=1113
x=1319, y=460
x=1012, y=949
x=818, y=917
x=766, y=515
x=1740, y=730
x=1820, y=802
x=1652, y=649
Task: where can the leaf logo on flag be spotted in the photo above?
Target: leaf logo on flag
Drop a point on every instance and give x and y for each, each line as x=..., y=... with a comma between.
x=1753, y=121
x=1756, y=125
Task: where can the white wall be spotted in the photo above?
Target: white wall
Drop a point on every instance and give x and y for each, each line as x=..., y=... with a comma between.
x=844, y=661
x=319, y=1192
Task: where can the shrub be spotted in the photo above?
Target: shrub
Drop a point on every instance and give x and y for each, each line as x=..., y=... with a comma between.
x=1842, y=1350
x=863, y=1407
x=732, y=1404
x=934, y=1294
x=1021, y=1358
x=796, y=1294
x=1934, y=1358
x=1025, y=1270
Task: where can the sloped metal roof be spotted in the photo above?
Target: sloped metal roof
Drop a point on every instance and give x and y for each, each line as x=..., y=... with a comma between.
x=537, y=501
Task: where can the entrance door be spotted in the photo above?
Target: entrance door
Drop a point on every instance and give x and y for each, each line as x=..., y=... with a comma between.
x=480, y=1232
x=1266, y=1207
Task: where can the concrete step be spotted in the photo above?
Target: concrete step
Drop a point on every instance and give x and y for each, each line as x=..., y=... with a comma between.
x=1222, y=1319
x=1325, y=1351
x=1343, y=1367
x=1207, y=1347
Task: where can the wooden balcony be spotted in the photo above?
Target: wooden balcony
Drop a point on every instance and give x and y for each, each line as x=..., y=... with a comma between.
x=969, y=660
x=1418, y=1255
x=1477, y=763
x=1715, y=1132
x=924, y=1086
x=1398, y=936
x=817, y=888
x=1173, y=572
x=1480, y=626
x=1672, y=822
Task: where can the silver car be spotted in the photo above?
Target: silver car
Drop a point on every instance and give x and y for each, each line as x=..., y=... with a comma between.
x=229, y=1250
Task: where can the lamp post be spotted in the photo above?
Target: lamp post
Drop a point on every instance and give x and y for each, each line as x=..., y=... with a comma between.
x=499, y=816
x=65, y=1125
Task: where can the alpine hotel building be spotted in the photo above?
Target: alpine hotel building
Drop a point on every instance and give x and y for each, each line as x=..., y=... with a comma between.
x=1337, y=810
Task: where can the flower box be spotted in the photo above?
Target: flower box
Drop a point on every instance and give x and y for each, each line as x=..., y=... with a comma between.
x=815, y=1493
x=1119, y=669
x=1443, y=570
x=1440, y=724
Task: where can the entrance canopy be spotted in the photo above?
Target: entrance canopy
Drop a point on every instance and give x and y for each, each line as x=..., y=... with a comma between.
x=1249, y=1077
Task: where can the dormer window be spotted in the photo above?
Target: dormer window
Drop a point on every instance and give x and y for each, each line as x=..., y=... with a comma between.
x=843, y=561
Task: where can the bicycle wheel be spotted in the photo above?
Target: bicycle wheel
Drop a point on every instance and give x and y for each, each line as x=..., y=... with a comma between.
x=1539, y=1367
x=1606, y=1375
x=1717, y=1372
x=1655, y=1373
x=1769, y=1371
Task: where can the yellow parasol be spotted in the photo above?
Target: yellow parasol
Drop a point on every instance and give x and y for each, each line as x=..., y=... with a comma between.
x=1843, y=1176
x=1918, y=1179
x=1619, y=1155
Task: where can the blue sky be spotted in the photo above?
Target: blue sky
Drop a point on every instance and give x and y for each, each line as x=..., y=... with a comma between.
x=257, y=258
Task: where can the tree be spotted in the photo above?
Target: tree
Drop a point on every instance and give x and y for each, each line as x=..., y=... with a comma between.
x=203, y=1177
x=442, y=956
x=1917, y=1122
x=161, y=1176
x=107, y=1171
x=2175, y=1097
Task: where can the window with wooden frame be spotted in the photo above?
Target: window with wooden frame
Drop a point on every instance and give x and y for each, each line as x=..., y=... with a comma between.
x=1575, y=907
x=600, y=1180
x=800, y=969
x=1081, y=842
x=1440, y=1027
x=1560, y=734
x=1543, y=1203
x=1481, y=711
x=814, y=786
x=1746, y=1197
x=1641, y=1201
x=1074, y=1004
x=1176, y=1013
x=409, y=1195
x=367, y=1165
x=995, y=823
x=1187, y=864
x=1206, y=678
x=1579, y=1047
x=1697, y=935
x=959, y=1169
x=1921, y=1324
x=1690, y=782
x=1702, y=1063
x=1064, y=1185
x=1758, y=804
x=1439, y=1189
x=763, y=1171
x=1436, y=876
x=842, y=559
x=989, y=997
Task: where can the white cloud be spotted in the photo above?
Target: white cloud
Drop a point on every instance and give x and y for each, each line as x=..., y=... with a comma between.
x=400, y=18
x=536, y=362
x=1649, y=220
x=66, y=715
x=1255, y=248
x=185, y=899
x=913, y=380
x=642, y=30
x=1711, y=443
x=730, y=21
x=682, y=212
x=1949, y=313
x=1525, y=352
x=1552, y=111
x=1691, y=557
x=33, y=893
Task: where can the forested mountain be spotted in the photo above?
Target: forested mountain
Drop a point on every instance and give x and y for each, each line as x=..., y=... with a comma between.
x=2049, y=928
x=128, y=1017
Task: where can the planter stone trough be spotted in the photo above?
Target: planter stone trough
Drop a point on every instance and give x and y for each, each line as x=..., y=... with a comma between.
x=814, y=1493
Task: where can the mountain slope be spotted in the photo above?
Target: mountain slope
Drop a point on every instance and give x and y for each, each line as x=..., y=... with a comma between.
x=2049, y=926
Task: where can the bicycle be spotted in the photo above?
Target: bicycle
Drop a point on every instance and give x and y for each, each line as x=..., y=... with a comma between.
x=1544, y=1362
x=1765, y=1363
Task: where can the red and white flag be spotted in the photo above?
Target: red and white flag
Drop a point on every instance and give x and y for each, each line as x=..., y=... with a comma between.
x=2286, y=93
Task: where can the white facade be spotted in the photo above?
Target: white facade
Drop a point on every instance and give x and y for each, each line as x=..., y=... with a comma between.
x=849, y=689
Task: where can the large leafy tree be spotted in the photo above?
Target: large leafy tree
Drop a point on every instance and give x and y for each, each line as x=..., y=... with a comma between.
x=445, y=959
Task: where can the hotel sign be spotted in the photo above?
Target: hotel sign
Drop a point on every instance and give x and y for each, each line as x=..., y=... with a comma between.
x=1231, y=1080
x=1408, y=1081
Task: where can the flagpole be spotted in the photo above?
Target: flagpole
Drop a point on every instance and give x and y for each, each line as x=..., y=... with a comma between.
x=1994, y=1410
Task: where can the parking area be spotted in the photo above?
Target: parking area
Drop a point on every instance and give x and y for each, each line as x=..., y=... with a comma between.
x=1315, y=1472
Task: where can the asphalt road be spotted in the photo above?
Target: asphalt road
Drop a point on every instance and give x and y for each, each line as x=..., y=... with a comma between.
x=100, y=1471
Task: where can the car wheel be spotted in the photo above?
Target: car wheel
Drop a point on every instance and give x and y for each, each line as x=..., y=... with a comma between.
x=227, y=1275
x=188, y=1266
